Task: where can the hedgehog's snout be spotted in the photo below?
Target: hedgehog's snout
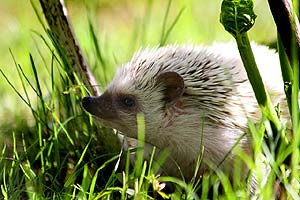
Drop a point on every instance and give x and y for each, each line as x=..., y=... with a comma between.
x=88, y=104
x=100, y=106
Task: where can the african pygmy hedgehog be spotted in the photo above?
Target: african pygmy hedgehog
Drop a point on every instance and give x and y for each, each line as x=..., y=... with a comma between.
x=191, y=97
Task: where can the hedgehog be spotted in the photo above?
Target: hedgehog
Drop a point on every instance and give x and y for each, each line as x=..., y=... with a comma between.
x=196, y=101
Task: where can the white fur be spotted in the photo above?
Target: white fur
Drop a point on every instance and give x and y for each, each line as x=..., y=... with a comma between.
x=217, y=100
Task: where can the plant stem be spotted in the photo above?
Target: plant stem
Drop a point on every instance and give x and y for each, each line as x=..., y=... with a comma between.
x=255, y=79
x=287, y=72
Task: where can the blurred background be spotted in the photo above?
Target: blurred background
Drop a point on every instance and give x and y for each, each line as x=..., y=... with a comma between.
x=122, y=27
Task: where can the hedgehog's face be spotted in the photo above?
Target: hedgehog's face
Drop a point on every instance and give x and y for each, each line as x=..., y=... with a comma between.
x=119, y=105
x=115, y=110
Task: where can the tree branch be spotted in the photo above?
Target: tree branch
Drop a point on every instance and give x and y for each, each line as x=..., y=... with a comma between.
x=56, y=16
x=287, y=25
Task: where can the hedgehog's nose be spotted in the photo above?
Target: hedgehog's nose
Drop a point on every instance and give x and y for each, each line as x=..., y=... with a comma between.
x=88, y=104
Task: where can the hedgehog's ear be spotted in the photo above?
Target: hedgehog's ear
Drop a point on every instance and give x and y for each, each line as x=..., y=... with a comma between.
x=173, y=84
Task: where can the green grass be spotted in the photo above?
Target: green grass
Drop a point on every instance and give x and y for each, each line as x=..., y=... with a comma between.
x=51, y=149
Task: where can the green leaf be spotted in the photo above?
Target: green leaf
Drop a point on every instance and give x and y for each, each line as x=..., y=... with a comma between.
x=237, y=16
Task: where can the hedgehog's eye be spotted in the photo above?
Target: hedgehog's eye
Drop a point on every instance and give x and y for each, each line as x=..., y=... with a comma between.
x=128, y=102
